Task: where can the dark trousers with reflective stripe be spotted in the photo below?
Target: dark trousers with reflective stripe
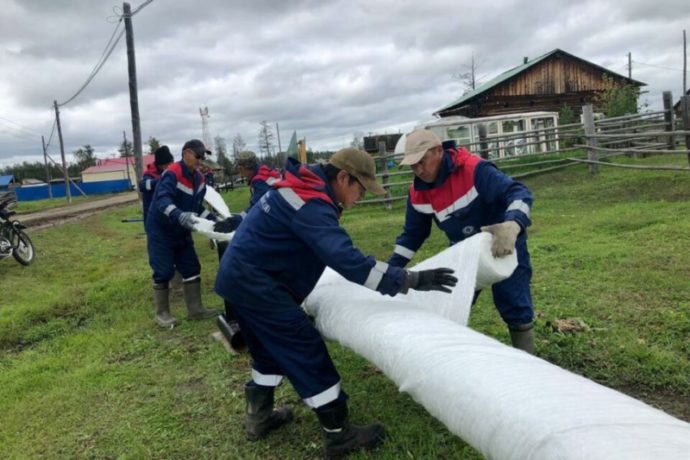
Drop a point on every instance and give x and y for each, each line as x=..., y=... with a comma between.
x=512, y=296
x=285, y=342
x=167, y=255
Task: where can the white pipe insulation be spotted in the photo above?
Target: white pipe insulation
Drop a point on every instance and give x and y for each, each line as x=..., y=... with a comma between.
x=505, y=403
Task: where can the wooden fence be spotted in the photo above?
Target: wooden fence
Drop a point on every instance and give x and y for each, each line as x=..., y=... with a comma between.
x=590, y=142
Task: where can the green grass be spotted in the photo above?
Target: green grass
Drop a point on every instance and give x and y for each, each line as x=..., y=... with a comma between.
x=85, y=373
x=24, y=207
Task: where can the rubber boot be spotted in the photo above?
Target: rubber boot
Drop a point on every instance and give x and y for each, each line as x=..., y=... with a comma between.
x=176, y=284
x=192, y=298
x=522, y=337
x=340, y=437
x=261, y=419
x=161, y=300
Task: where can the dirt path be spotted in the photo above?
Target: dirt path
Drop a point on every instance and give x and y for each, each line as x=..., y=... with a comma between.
x=54, y=216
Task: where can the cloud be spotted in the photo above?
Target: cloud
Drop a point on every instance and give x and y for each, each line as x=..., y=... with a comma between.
x=327, y=69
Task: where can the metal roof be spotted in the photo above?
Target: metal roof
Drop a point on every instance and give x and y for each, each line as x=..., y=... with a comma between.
x=5, y=180
x=521, y=68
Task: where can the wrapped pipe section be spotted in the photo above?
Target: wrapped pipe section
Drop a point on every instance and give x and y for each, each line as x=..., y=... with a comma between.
x=505, y=403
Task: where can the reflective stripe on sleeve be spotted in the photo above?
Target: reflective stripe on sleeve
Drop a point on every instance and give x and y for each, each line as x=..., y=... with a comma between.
x=375, y=275
x=169, y=209
x=403, y=251
x=519, y=205
x=324, y=397
x=148, y=184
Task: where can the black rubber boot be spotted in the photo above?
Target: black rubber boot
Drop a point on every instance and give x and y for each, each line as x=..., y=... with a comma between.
x=340, y=437
x=522, y=337
x=161, y=300
x=261, y=419
x=192, y=298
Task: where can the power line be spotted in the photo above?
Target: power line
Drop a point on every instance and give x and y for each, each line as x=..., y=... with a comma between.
x=19, y=126
x=109, y=47
x=101, y=61
x=140, y=7
x=52, y=131
x=658, y=66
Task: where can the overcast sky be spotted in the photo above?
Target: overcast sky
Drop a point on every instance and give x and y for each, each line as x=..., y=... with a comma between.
x=327, y=69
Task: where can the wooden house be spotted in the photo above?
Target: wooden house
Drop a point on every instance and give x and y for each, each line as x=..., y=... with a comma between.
x=546, y=83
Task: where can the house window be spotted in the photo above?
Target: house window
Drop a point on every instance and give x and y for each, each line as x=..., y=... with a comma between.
x=461, y=135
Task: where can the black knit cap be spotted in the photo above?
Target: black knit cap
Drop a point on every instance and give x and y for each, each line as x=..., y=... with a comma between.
x=163, y=156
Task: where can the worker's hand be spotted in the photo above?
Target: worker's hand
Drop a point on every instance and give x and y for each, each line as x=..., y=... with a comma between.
x=504, y=236
x=228, y=225
x=438, y=279
x=186, y=220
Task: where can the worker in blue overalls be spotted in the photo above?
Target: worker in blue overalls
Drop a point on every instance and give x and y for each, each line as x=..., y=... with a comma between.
x=147, y=186
x=178, y=198
x=274, y=261
x=260, y=178
x=464, y=195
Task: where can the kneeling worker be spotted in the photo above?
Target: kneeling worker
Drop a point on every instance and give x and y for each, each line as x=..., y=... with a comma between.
x=274, y=261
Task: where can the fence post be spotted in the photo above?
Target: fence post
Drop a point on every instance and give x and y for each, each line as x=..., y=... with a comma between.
x=384, y=178
x=483, y=144
x=685, y=108
x=588, y=119
x=668, y=118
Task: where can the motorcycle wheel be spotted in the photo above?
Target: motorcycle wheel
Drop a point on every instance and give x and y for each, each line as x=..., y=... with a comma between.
x=23, y=248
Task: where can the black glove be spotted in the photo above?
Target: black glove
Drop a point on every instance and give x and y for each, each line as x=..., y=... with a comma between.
x=438, y=279
x=228, y=225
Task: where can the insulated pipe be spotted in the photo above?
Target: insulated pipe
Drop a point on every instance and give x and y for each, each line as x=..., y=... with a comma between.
x=505, y=403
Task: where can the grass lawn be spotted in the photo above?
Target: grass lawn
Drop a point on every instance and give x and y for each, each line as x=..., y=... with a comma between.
x=25, y=207
x=84, y=371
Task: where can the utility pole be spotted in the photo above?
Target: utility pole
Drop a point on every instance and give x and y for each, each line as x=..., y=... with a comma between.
x=68, y=193
x=45, y=161
x=629, y=66
x=685, y=65
x=205, y=135
x=124, y=146
x=133, y=95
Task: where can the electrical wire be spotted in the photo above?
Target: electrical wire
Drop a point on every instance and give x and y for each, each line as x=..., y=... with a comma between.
x=52, y=131
x=658, y=66
x=106, y=54
x=109, y=47
x=16, y=126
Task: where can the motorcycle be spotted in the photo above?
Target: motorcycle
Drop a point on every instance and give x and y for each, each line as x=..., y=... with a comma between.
x=13, y=240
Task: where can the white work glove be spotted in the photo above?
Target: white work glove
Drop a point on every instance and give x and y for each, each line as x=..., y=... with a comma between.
x=504, y=236
x=186, y=219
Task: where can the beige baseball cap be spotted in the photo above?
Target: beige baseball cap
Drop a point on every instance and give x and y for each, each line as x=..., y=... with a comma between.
x=416, y=145
x=360, y=165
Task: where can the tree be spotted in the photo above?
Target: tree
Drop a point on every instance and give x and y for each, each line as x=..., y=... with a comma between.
x=566, y=116
x=221, y=153
x=265, y=139
x=357, y=140
x=154, y=144
x=617, y=100
x=469, y=77
x=85, y=157
x=125, y=149
x=238, y=145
